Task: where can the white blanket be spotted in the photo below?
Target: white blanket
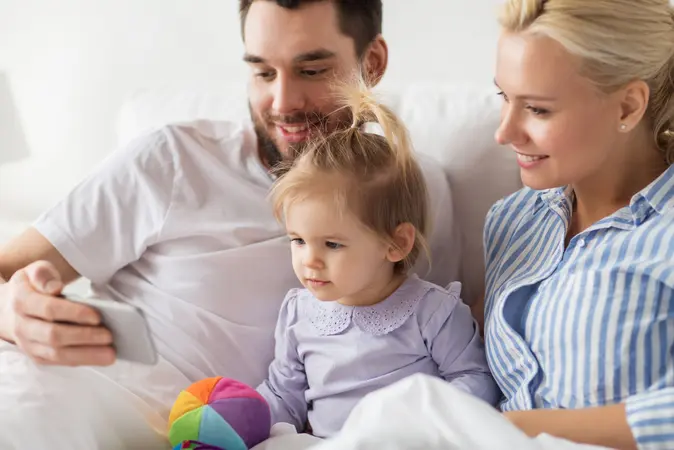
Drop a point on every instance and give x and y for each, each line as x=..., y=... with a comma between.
x=59, y=408
x=422, y=412
x=425, y=413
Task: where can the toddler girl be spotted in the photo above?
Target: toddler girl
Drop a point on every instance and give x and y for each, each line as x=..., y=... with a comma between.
x=354, y=205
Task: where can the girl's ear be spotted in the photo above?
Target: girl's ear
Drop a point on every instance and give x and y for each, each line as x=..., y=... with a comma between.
x=403, y=242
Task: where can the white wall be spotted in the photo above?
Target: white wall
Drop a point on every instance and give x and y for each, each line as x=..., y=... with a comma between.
x=70, y=63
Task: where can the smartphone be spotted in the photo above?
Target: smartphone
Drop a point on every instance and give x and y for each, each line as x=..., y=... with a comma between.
x=131, y=335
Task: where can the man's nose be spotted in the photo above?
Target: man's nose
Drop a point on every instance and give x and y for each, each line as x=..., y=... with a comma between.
x=288, y=95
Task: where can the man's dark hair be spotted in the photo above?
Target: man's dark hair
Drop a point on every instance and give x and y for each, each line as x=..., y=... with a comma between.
x=358, y=19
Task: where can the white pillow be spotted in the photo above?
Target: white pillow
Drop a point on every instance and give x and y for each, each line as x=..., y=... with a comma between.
x=456, y=126
x=453, y=124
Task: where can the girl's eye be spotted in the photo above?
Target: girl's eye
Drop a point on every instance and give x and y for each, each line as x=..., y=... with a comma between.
x=297, y=241
x=333, y=245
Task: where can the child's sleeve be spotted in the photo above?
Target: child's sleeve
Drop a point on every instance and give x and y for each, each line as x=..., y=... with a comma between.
x=453, y=340
x=284, y=388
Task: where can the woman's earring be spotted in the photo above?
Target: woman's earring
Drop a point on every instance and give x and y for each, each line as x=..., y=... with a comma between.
x=623, y=127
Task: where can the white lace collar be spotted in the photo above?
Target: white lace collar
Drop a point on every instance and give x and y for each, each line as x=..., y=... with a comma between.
x=330, y=318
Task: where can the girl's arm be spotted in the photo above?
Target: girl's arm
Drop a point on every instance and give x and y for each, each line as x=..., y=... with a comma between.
x=287, y=381
x=453, y=341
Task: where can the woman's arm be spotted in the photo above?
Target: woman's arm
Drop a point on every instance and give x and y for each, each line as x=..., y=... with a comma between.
x=605, y=426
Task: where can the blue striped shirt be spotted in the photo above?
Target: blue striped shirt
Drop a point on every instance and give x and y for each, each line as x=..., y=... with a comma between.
x=587, y=325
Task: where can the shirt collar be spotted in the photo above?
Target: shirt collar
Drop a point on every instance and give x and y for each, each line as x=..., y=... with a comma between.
x=330, y=318
x=659, y=195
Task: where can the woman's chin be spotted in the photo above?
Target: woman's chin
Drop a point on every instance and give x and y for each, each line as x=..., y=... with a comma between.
x=538, y=182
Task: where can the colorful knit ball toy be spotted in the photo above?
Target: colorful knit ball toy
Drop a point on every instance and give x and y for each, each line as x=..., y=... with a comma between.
x=219, y=413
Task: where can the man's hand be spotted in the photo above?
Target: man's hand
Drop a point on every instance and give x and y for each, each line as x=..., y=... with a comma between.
x=47, y=328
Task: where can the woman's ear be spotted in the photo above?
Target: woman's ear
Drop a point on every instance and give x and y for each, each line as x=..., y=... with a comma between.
x=404, y=237
x=633, y=104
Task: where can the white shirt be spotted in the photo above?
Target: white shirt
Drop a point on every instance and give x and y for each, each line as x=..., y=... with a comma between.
x=179, y=225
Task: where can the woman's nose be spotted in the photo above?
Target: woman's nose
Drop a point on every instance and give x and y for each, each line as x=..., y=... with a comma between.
x=510, y=131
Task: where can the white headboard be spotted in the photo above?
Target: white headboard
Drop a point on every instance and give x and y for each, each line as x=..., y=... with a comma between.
x=454, y=124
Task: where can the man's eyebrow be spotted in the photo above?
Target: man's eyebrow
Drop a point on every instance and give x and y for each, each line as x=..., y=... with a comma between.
x=315, y=55
x=253, y=59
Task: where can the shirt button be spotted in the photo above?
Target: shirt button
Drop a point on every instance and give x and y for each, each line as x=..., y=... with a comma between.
x=581, y=243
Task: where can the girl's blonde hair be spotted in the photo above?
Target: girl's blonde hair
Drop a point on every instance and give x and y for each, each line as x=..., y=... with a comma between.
x=374, y=176
x=618, y=41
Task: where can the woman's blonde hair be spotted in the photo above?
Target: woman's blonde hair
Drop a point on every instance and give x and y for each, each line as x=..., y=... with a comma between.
x=374, y=176
x=618, y=41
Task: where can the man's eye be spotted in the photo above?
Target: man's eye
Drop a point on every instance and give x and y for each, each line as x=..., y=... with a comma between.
x=313, y=72
x=265, y=75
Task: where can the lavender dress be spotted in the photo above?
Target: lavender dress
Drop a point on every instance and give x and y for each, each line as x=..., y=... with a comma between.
x=328, y=356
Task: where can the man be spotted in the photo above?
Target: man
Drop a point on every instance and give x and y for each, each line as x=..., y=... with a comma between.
x=178, y=225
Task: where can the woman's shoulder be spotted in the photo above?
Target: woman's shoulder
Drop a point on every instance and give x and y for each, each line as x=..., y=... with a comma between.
x=515, y=204
x=652, y=243
x=507, y=213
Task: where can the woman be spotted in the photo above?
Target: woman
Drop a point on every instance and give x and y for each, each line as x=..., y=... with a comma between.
x=579, y=322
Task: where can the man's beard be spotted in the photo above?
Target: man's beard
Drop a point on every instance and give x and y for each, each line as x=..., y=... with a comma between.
x=269, y=151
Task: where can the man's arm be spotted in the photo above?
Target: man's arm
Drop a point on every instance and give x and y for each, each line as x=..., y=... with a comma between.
x=107, y=221
x=28, y=248
x=48, y=329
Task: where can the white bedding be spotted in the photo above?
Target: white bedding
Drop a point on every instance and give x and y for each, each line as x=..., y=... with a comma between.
x=422, y=412
x=425, y=413
x=60, y=408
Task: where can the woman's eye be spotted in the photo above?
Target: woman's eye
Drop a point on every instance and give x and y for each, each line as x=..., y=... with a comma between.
x=538, y=111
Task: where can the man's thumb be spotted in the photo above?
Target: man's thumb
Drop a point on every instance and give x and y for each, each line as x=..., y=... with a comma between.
x=44, y=278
